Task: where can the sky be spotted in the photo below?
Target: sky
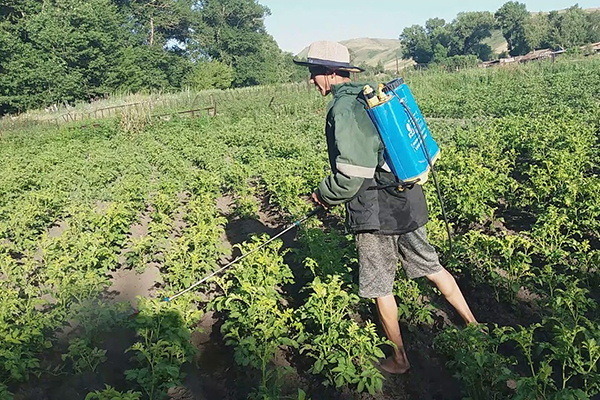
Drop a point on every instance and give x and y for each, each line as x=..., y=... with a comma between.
x=296, y=23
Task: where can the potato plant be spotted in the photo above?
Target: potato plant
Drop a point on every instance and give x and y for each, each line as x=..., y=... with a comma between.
x=258, y=325
x=345, y=353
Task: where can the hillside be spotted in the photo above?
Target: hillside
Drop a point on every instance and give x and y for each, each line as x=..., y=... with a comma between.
x=371, y=51
x=497, y=42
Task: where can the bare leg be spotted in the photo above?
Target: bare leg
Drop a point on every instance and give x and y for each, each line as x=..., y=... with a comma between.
x=447, y=285
x=388, y=313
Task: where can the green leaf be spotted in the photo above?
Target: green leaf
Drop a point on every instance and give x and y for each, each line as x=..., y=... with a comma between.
x=318, y=366
x=361, y=386
x=378, y=352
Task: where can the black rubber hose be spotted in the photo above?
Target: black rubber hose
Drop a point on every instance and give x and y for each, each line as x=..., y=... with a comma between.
x=430, y=162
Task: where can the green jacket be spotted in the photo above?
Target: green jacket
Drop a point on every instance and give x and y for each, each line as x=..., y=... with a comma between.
x=353, y=145
x=356, y=158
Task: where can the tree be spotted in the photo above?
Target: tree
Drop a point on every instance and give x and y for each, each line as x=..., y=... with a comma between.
x=438, y=40
x=537, y=31
x=13, y=11
x=512, y=18
x=440, y=34
x=416, y=44
x=568, y=29
x=469, y=30
x=440, y=52
x=435, y=25
x=233, y=32
x=158, y=22
x=69, y=50
x=146, y=68
x=291, y=71
x=62, y=53
x=210, y=75
x=593, y=27
x=259, y=67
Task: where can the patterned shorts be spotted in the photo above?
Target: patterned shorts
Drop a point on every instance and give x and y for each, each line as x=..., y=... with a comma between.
x=378, y=257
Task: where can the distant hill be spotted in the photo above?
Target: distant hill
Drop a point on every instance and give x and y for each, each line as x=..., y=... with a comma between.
x=497, y=42
x=370, y=51
x=589, y=10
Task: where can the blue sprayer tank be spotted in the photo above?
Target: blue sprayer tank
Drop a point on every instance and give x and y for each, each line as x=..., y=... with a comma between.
x=405, y=153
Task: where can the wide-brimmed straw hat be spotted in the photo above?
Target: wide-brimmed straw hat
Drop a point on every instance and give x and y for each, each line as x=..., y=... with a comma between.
x=332, y=55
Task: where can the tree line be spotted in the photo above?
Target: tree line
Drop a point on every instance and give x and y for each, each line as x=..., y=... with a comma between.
x=55, y=51
x=464, y=38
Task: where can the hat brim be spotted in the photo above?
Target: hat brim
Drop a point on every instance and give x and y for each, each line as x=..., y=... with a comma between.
x=334, y=65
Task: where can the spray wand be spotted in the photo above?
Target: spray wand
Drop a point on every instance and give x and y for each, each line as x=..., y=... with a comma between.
x=292, y=226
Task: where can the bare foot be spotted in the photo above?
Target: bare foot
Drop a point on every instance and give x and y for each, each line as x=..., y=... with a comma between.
x=392, y=366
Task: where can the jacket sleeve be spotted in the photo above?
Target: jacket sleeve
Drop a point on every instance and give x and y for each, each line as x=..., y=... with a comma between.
x=355, y=165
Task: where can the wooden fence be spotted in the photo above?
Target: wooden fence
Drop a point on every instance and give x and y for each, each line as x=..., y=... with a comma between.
x=157, y=107
x=11, y=123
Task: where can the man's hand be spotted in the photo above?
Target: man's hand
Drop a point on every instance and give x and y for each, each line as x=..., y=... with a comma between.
x=315, y=198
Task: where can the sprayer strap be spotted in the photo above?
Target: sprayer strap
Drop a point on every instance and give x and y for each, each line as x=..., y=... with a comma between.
x=400, y=185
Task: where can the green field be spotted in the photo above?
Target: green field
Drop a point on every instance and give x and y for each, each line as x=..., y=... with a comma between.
x=91, y=217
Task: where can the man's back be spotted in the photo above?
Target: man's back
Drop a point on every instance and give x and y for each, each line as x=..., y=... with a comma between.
x=355, y=151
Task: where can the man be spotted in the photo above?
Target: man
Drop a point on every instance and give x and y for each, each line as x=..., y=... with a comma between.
x=389, y=224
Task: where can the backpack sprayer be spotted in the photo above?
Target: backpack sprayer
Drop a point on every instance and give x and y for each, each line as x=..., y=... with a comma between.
x=409, y=150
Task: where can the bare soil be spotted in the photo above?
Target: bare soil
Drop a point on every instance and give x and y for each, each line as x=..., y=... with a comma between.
x=127, y=284
x=58, y=229
x=140, y=229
